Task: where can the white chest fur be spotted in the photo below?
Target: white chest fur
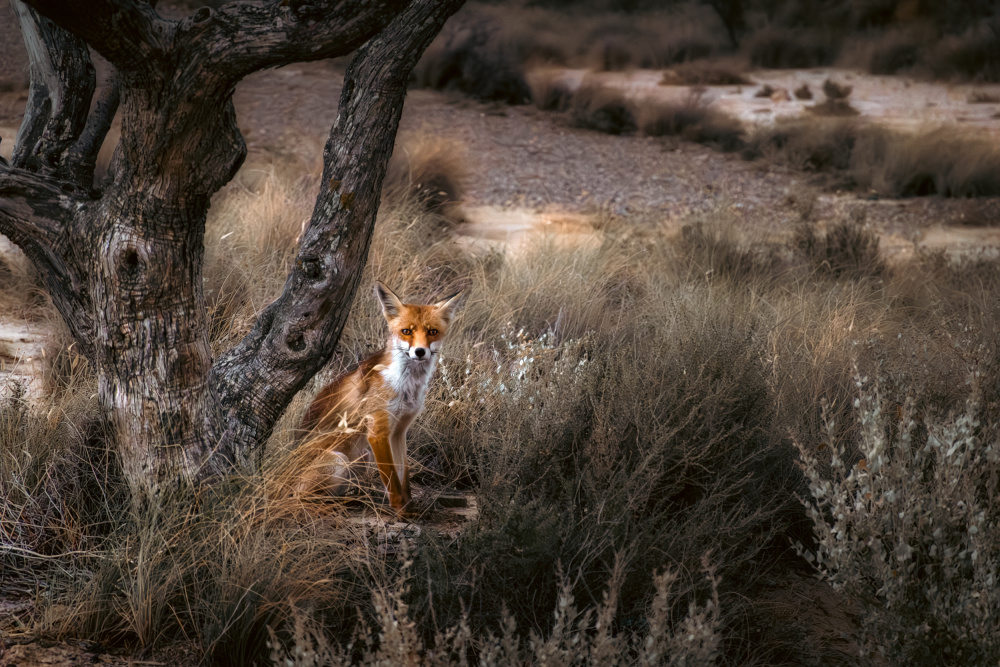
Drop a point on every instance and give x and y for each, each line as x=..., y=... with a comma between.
x=409, y=379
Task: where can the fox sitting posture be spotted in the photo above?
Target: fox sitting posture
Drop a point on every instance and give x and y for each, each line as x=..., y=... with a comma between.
x=375, y=403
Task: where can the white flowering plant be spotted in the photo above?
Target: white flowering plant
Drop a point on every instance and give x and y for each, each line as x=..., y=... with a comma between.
x=906, y=525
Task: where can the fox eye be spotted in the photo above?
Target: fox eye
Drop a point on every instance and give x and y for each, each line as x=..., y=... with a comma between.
x=432, y=332
x=406, y=332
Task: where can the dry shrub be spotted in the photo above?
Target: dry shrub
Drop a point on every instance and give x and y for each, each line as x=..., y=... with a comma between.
x=59, y=478
x=428, y=169
x=693, y=120
x=836, y=91
x=589, y=405
x=890, y=51
x=550, y=91
x=776, y=47
x=648, y=40
x=815, y=146
x=22, y=294
x=847, y=247
x=728, y=72
x=982, y=97
x=217, y=572
x=803, y=92
x=586, y=637
x=475, y=56
x=250, y=240
x=893, y=164
x=932, y=162
x=712, y=248
x=918, y=551
x=602, y=108
x=973, y=55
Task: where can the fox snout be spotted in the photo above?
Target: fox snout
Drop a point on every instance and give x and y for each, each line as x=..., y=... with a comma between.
x=418, y=352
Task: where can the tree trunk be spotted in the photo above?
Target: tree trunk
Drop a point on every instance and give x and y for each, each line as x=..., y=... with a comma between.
x=124, y=265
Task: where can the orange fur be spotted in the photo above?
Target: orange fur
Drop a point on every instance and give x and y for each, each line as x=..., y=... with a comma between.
x=371, y=406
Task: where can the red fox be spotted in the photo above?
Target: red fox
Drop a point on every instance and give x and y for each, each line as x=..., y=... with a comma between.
x=375, y=403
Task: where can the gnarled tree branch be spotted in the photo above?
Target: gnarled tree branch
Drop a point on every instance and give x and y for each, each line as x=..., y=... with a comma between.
x=296, y=334
x=81, y=160
x=62, y=85
x=241, y=38
x=128, y=33
x=36, y=213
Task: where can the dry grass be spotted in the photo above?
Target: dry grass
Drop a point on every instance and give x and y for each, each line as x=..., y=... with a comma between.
x=775, y=47
x=693, y=121
x=475, y=56
x=601, y=108
x=428, y=169
x=250, y=241
x=22, y=294
x=550, y=91
x=934, y=162
x=892, y=164
x=721, y=72
x=618, y=410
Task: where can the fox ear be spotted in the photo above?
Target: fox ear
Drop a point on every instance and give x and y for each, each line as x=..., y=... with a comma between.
x=447, y=306
x=391, y=305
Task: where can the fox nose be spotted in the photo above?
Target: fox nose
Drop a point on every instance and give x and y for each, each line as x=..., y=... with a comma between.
x=420, y=352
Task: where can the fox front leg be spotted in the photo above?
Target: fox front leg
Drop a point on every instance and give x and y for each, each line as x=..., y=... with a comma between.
x=390, y=471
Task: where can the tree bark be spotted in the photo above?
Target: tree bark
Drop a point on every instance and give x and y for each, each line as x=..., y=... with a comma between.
x=124, y=264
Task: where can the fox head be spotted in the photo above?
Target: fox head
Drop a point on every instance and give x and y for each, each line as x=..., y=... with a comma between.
x=417, y=330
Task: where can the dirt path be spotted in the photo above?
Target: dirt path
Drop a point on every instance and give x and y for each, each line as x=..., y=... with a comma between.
x=530, y=160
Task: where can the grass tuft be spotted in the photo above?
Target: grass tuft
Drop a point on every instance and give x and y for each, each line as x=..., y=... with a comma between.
x=727, y=72
x=892, y=164
x=429, y=170
x=693, y=120
x=601, y=108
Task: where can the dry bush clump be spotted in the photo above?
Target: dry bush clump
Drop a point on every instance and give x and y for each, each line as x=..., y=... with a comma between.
x=429, y=170
x=712, y=248
x=932, y=162
x=821, y=146
x=836, y=103
x=216, y=572
x=846, y=247
x=973, y=55
x=601, y=108
x=22, y=294
x=892, y=51
x=893, y=164
x=550, y=91
x=250, y=241
x=721, y=72
x=475, y=56
x=549, y=421
x=776, y=47
x=906, y=525
x=693, y=120
x=982, y=97
x=60, y=482
x=580, y=637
